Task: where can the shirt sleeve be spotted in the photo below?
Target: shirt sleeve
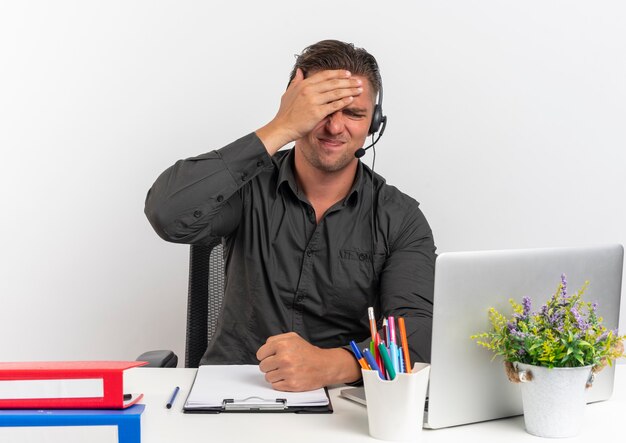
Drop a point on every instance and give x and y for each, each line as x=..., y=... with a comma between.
x=407, y=282
x=197, y=199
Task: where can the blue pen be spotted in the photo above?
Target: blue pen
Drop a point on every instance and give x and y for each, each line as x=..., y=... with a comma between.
x=401, y=360
x=393, y=346
x=358, y=355
x=173, y=397
x=372, y=362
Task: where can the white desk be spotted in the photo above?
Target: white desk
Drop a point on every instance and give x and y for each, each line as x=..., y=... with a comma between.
x=347, y=424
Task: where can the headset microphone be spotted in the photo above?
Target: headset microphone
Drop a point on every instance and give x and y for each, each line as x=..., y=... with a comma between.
x=379, y=122
x=361, y=151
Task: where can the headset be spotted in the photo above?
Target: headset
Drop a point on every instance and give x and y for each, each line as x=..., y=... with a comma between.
x=379, y=122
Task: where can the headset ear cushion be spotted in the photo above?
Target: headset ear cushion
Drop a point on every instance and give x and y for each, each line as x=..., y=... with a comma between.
x=377, y=119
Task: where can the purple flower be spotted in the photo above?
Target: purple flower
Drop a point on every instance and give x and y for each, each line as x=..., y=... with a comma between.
x=582, y=324
x=563, y=286
x=556, y=319
x=526, y=303
x=517, y=334
x=605, y=335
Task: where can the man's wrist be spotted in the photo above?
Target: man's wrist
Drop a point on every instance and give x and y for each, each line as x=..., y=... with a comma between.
x=273, y=137
x=347, y=368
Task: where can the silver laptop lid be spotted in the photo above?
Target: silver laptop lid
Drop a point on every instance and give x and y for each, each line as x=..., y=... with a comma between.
x=466, y=386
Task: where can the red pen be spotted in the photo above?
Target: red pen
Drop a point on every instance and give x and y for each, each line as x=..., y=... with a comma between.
x=379, y=359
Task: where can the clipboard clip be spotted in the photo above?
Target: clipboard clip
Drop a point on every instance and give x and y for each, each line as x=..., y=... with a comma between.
x=254, y=404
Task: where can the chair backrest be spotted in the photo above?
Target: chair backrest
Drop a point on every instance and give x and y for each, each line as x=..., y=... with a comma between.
x=204, y=303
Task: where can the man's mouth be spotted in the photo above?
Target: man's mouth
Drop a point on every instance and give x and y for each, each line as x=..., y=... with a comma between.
x=331, y=142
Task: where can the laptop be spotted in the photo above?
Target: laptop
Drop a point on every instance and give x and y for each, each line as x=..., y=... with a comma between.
x=466, y=385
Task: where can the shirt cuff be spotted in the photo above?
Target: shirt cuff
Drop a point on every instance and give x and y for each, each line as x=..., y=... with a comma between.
x=358, y=382
x=245, y=158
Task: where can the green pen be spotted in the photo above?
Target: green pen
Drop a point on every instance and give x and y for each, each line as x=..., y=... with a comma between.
x=387, y=361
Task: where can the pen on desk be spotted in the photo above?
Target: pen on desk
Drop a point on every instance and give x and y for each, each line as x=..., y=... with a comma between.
x=405, y=344
x=358, y=355
x=173, y=397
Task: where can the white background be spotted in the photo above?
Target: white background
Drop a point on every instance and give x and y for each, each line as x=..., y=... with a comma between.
x=507, y=121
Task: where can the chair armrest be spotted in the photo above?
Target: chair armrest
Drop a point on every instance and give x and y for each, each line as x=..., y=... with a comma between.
x=159, y=359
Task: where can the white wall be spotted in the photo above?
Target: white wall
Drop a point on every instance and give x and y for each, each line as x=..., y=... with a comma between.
x=506, y=120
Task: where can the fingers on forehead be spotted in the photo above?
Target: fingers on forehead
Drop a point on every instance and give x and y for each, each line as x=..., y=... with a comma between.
x=328, y=74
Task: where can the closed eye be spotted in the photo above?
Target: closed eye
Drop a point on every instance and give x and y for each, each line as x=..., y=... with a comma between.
x=354, y=113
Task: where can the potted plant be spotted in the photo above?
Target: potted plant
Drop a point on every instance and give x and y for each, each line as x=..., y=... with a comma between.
x=555, y=353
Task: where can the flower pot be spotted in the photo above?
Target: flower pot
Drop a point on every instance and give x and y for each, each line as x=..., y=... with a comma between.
x=553, y=399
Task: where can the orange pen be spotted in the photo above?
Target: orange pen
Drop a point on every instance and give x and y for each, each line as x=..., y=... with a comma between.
x=370, y=315
x=359, y=357
x=405, y=345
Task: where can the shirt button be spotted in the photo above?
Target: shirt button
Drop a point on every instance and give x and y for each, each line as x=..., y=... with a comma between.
x=244, y=176
x=220, y=198
x=362, y=256
x=309, y=252
x=197, y=214
x=259, y=164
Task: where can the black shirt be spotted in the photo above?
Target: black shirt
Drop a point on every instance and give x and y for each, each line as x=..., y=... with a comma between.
x=285, y=272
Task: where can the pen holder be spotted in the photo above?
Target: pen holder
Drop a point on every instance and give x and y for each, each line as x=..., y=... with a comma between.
x=395, y=408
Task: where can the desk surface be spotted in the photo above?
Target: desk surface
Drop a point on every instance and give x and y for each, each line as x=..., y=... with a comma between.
x=347, y=424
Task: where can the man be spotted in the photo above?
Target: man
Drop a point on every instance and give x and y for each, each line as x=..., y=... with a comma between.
x=312, y=237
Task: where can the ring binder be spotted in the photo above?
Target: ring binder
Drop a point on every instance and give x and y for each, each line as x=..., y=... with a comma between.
x=65, y=385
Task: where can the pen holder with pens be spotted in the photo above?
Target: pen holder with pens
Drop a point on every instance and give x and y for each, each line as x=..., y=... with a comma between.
x=395, y=408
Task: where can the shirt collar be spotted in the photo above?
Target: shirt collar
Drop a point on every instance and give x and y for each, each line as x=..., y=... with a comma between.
x=286, y=174
x=286, y=171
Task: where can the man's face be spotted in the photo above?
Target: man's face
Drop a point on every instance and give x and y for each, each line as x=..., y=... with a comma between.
x=331, y=145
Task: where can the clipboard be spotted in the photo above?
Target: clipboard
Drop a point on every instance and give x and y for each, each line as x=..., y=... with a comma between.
x=243, y=389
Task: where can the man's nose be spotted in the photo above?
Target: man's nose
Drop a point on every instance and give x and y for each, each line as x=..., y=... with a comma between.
x=334, y=123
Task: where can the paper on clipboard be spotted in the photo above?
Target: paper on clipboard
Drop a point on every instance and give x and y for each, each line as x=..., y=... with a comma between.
x=244, y=385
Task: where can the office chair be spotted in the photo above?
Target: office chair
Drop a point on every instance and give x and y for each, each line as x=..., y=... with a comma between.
x=204, y=303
